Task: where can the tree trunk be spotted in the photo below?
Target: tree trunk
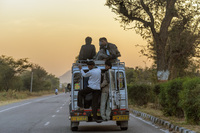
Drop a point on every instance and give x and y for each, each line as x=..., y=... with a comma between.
x=162, y=63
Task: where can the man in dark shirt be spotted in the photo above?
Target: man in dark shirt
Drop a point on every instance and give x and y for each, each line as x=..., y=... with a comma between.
x=108, y=51
x=88, y=50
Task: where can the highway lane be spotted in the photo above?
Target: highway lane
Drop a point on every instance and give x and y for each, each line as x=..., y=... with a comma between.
x=49, y=114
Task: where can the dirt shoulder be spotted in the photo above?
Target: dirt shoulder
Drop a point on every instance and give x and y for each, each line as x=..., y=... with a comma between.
x=149, y=109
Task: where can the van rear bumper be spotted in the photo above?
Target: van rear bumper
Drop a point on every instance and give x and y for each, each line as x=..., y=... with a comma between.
x=120, y=115
x=86, y=115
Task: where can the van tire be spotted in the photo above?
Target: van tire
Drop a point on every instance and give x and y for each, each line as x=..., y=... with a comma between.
x=74, y=126
x=124, y=128
x=118, y=123
x=124, y=125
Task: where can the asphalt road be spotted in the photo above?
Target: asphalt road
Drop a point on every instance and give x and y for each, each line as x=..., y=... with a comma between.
x=49, y=114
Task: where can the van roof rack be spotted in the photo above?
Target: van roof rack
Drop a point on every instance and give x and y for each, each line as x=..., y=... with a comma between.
x=97, y=63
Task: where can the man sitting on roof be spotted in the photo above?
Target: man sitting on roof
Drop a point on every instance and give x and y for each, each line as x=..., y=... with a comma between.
x=88, y=50
x=108, y=51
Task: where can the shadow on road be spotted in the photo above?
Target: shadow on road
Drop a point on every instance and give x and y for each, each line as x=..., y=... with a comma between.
x=97, y=128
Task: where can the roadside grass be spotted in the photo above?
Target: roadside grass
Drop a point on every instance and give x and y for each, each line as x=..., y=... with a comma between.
x=153, y=110
x=15, y=96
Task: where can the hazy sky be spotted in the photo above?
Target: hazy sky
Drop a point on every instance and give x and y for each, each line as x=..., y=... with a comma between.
x=51, y=32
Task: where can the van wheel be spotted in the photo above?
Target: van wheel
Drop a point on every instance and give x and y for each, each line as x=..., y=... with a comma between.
x=124, y=128
x=74, y=126
x=124, y=125
x=118, y=123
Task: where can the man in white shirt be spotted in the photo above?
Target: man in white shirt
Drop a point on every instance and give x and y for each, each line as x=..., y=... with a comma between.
x=94, y=81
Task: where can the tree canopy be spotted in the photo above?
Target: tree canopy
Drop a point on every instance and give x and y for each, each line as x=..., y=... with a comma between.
x=167, y=25
x=16, y=75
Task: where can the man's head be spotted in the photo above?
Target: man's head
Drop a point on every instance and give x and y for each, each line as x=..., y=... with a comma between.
x=108, y=65
x=88, y=40
x=90, y=64
x=103, y=41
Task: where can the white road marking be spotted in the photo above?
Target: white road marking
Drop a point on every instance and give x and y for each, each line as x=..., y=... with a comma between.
x=149, y=123
x=53, y=115
x=61, y=107
x=25, y=104
x=14, y=107
x=47, y=123
x=58, y=111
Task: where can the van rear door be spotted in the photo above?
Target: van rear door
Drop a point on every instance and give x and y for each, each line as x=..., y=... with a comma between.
x=77, y=84
x=118, y=89
x=112, y=89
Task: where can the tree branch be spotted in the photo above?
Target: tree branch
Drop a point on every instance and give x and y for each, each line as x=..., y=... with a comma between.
x=123, y=10
x=146, y=8
x=151, y=24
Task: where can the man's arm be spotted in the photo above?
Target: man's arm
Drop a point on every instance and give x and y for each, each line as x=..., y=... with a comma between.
x=94, y=51
x=83, y=73
x=105, y=82
x=116, y=51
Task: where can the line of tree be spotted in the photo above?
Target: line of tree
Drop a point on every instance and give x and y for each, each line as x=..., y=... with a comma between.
x=16, y=75
x=171, y=28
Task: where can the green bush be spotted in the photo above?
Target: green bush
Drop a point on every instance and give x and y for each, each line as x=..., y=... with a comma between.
x=190, y=100
x=139, y=94
x=169, y=97
x=163, y=98
x=156, y=89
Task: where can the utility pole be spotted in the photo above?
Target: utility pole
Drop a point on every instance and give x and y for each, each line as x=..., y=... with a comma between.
x=31, y=81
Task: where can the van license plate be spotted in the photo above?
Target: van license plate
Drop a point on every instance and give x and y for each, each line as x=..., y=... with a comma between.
x=79, y=118
x=120, y=117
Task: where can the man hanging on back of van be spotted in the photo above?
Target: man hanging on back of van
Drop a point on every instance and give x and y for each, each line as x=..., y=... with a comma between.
x=88, y=50
x=93, y=87
x=108, y=51
x=105, y=107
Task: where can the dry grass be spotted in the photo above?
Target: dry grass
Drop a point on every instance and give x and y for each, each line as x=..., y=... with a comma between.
x=9, y=101
x=155, y=111
x=15, y=96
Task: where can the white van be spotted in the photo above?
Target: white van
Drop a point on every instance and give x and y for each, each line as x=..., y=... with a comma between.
x=118, y=96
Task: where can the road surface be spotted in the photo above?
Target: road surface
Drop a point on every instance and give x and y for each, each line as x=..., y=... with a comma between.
x=49, y=114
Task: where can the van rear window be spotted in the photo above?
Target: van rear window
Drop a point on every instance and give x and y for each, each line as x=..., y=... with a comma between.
x=120, y=80
x=77, y=81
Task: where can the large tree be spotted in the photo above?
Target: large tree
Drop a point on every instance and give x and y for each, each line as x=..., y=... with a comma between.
x=156, y=20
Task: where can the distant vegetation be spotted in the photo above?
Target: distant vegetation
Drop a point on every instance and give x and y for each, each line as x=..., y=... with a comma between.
x=15, y=76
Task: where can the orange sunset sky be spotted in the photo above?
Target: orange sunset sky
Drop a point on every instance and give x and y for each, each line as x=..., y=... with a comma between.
x=50, y=32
